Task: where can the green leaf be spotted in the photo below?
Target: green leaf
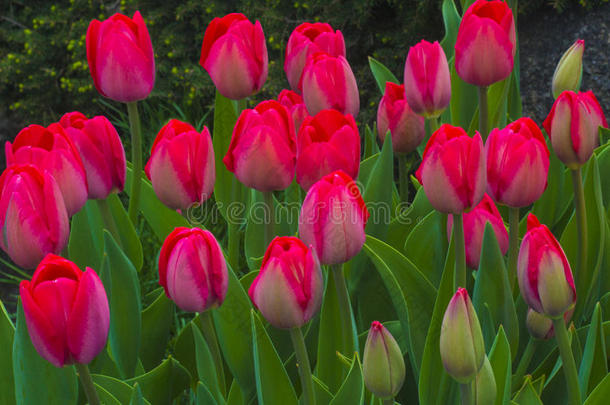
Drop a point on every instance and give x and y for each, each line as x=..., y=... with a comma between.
x=157, y=320
x=603, y=160
x=600, y=394
x=204, y=396
x=119, y=389
x=593, y=366
x=463, y=100
x=500, y=360
x=381, y=74
x=451, y=20
x=86, y=238
x=163, y=383
x=370, y=142
x=235, y=396
x=352, y=389
x=426, y=246
x=206, y=368
x=105, y=397
x=7, y=332
x=129, y=237
x=137, y=398
x=527, y=395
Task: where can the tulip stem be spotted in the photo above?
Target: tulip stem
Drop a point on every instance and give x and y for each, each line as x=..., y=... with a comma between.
x=344, y=305
x=269, y=221
x=87, y=382
x=108, y=219
x=388, y=401
x=459, y=277
x=567, y=357
x=513, y=244
x=209, y=333
x=483, y=112
x=581, y=218
x=468, y=397
x=524, y=362
x=136, y=160
x=403, y=177
x=435, y=124
x=303, y=365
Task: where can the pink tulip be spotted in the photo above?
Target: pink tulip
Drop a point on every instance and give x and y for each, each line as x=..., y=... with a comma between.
x=333, y=217
x=573, y=126
x=51, y=149
x=395, y=115
x=101, y=151
x=288, y=290
x=541, y=327
x=121, y=58
x=181, y=165
x=517, y=163
x=66, y=311
x=193, y=270
x=305, y=40
x=427, y=80
x=295, y=105
x=234, y=54
x=453, y=170
x=474, y=227
x=327, y=142
x=328, y=83
x=485, y=45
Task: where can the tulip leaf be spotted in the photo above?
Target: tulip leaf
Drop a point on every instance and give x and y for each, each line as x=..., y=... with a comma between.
x=500, y=360
x=370, y=143
x=381, y=74
x=106, y=397
x=86, y=238
x=352, y=389
x=7, y=332
x=599, y=396
x=593, y=366
x=163, y=383
x=184, y=348
x=157, y=320
x=451, y=20
x=119, y=389
x=129, y=237
x=527, y=395
x=463, y=96
x=426, y=246
x=204, y=396
x=206, y=368
x=603, y=160
x=137, y=398
x=235, y=396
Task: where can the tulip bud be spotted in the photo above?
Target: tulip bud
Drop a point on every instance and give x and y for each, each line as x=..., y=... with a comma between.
x=462, y=347
x=545, y=277
x=485, y=382
x=295, y=105
x=333, y=217
x=288, y=290
x=193, y=270
x=66, y=312
x=383, y=364
x=540, y=326
x=568, y=72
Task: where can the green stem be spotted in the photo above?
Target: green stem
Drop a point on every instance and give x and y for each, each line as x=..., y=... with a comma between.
x=108, y=219
x=483, y=112
x=525, y=361
x=388, y=401
x=233, y=246
x=434, y=123
x=567, y=357
x=513, y=244
x=209, y=333
x=459, y=278
x=136, y=160
x=468, y=397
x=581, y=218
x=344, y=306
x=303, y=365
x=269, y=222
x=403, y=177
x=87, y=382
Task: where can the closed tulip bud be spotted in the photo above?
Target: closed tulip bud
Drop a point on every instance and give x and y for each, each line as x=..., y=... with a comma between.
x=453, y=170
x=234, y=54
x=517, y=163
x=383, y=365
x=305, y=40
x=474, y=228
x=545, y=277
x=462, y=347
x=485, y=44
x=51, y=149
x=181, y=165
x=394, y=115
x=485, y=384
x=121, y=58
x=66, y=312
x=540, y=326
x=333, y=217
x=427, y=79
x=329, y=83
x=262, y=153
x=573, y=126
x=288, y=290
x=101, y=151
x=327, y=142
x=295, y=105
x=568, y=72
x=193, y=270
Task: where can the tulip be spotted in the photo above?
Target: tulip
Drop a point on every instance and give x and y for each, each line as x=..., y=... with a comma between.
x=295, y=105
x=66, y=311
x=333, y=217
x=288, y=290
x=181, y=165
x=427, y=80
x=327, y=142
x=395, y=115
x=101, y=151
x=329, y=83
x=262, y=153
x=121, y=58
x=193, y=270
x=517, y=163
x=453, y=170
x=568, y=72
x=51, y=149
x=545, y=277
x=383, y=365
x=573, y=126
x=485, y=44
x=462, y=347
x=541, y=327
x=485, y=384
x=234, y=54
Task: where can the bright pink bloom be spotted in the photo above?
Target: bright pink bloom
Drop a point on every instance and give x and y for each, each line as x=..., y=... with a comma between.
x=573, y=126
x=234, y=53
x=453, y=170
x=485, y=45
x=101, y=151
x=262, y=152
x=305, y=40
x=66, y=311
x=121, y=58
x=427, y=80
x=51, y=149
x=517, y=163
x=328, y=82
x=181, y=165
x=327, y=142
x=295, y=105
x=394, y=114
x=333, y=217
x=288, y=290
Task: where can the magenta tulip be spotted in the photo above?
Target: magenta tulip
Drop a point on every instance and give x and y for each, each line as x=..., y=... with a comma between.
x=295, y=105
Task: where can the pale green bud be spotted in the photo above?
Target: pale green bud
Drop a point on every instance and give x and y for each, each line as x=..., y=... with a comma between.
x=568, y=72
x=383, y=364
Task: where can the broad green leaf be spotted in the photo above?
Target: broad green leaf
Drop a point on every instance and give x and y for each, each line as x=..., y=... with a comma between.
x=377, y=192
x=323, y=396
x=106, y=397
x=204, y=396
x=426, y=245
x=600, y=394
x=370, y=142
x=235, y=396
x=527, y=395
x=137, y=398
x=603, y=160
x=497, y=97
x=163, y=383
x=451, y=19
x=119, y=389
x=594, y=365
x=157, y=320
x=7, y=332
x=352, y=389
x=381, y=74
x=86, y=238
x=130, y=241
x=184, y=348
x=463, y=100
x=206, y=368
x=500, y=360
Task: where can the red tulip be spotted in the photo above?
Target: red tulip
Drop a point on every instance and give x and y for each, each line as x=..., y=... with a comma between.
x=295, y=105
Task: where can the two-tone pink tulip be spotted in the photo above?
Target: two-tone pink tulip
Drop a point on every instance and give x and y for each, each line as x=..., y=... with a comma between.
x=295, y=105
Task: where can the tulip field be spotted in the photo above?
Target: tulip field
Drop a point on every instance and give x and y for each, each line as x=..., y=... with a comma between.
x=453, y=251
